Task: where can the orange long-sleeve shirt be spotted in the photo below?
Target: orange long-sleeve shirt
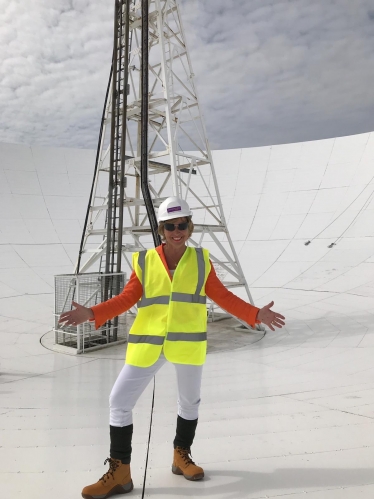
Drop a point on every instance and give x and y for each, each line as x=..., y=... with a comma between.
x=214, y=289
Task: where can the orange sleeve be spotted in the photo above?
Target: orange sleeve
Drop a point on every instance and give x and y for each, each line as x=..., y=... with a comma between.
x=130, y=295
x=217, y=292
x=214, y=289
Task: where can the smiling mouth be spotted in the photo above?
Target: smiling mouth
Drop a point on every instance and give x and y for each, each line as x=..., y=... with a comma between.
x=176, y=238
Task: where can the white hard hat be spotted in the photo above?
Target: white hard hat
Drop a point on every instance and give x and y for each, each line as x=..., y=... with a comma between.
x=173, y=207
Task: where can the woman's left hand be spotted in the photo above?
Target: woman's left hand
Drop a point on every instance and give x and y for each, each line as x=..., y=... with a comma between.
x=270, y=318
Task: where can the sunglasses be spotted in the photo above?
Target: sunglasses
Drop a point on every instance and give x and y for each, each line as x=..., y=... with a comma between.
x=171, y=227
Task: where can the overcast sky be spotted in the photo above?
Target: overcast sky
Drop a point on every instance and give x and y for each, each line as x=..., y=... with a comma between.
x=267, y=71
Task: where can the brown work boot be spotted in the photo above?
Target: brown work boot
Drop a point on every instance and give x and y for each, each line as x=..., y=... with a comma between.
x=116, y=481
x=183, y=465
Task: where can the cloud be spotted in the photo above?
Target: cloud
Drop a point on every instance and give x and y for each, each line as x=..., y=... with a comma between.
x=273, y=72
x=53, y=71
x=267, y=71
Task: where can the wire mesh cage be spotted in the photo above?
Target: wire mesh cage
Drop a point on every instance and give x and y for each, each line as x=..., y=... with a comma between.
x=88, y=290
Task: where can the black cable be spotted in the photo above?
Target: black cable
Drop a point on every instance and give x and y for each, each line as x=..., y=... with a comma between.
x=144, y=174
x=95, y=172
x=149, y=436
x=144, y=127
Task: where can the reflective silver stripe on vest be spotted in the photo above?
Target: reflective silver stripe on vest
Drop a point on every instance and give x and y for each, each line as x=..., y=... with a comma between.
x=200, y=270
x=188, y=298
x=156, y=300
x=141, y=261
x=146, y=338
x=186, y=336
x=195, y=297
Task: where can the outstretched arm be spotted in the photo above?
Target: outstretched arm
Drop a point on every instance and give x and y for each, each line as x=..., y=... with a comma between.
x=225, y=299
x=270, y=318
x=77, y=316
x=217, y=292
x=104, y=311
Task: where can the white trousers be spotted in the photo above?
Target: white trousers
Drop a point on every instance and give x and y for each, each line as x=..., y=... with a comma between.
x=133, y=380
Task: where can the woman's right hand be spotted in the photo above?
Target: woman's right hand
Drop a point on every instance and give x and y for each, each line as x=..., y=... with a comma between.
x=77, y=316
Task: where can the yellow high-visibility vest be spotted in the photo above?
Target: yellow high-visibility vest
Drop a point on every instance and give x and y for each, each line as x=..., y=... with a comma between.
x=172, y=315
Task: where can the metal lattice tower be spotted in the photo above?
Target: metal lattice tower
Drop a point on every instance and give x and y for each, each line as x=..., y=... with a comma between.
x=152, y=143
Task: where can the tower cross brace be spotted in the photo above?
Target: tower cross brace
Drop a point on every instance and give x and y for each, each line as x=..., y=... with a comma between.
x=153, y=144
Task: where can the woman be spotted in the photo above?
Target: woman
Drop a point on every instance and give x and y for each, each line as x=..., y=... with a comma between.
x=170, y=284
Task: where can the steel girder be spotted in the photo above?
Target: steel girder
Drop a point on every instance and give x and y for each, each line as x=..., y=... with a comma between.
x=179, y=157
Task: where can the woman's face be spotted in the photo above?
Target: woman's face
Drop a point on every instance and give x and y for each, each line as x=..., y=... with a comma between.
x=177, y=238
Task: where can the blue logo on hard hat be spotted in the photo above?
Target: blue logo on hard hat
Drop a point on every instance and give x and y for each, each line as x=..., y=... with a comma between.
x=176, y=208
